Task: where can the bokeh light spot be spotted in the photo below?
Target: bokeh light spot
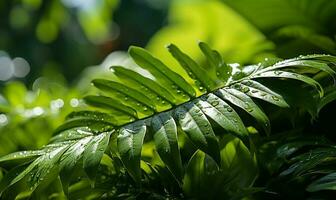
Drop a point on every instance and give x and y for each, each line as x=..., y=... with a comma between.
x=6, y=68
x=21, y=67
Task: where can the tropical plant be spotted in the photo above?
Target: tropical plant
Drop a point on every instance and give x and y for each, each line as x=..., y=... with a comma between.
x=145, y=117
x=302, y=161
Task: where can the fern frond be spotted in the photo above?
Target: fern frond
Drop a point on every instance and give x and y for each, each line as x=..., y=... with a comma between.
x=136, y=105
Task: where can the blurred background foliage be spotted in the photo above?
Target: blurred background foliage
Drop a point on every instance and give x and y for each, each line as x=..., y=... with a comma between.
x=50, y=50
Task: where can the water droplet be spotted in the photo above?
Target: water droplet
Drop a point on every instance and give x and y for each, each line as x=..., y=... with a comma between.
x=145, y=108
x=74, y=102
x=277, y=72
x=163, y=102
x=214, y=103
x=254, y=91
x=263, y=94
x=249, y=109
x=246, y=89
x=229, y=109
x=275, y=98
x=126, y=98
x=201, y=88
x=3, y=119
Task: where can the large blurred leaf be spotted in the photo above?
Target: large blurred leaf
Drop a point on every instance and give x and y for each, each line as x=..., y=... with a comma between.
x=297, y=26
x=213, y=22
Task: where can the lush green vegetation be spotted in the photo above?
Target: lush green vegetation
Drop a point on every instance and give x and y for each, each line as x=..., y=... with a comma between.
x=181, y=122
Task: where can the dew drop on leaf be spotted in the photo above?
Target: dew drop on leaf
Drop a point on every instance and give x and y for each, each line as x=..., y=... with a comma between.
x=214, y=103
x=246, y=89
x=275, y=98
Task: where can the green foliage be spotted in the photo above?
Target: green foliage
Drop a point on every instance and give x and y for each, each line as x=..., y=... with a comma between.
x=306, y=162
x=29, y=117
x=158, y=106
x=246, y=31
x=295, y=26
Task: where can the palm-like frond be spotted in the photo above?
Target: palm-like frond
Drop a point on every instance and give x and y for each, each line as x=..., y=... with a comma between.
x=157, y=105
x=306, y=161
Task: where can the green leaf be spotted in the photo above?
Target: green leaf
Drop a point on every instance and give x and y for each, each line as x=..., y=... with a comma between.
x=110, y=103
x=6, y=181
x=94, y=115
x=304, y=162
x=221, y=69
x=132, y=97
x=161, y=72
x=223, y=114
x=145, y=85
x=243, y=101
x=302, y=63
x=291, y=75
x=195, y=124
x=258, y=90
x=201, y=77
x=328, y=98
x=318, y=57
x=22, y=155
x=93, y=125
x=327, y=182
x=94, y=152
x=40, y=168
x=165, y=139
x=130, y=141
x=202, y=174
x=70, y=158
x=71, y=134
